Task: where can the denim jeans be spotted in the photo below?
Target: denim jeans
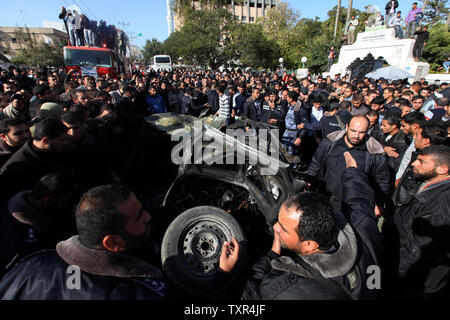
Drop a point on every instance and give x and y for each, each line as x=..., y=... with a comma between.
x=410, y=29
x=399, y=32
x=73, y=41
x=387, y=20
x=88, y=37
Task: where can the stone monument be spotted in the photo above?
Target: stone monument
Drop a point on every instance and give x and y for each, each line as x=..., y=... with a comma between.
x=381, y=44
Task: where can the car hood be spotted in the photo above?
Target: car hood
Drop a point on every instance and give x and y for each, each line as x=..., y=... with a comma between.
x=177, y=125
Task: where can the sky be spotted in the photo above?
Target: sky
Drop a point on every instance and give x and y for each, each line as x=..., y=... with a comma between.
x=148, y=17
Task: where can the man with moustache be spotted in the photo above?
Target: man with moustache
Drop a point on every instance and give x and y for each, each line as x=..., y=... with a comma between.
x=113, y=232
x=318, y=254
x=422, y=230
x=328, y=163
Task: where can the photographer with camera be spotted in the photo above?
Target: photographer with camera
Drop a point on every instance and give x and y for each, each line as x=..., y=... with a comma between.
x=69, y=23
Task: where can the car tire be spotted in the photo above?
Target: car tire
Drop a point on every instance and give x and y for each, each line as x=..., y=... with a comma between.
x=191, y=248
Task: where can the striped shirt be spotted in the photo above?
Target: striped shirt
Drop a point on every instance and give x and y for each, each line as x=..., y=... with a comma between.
x=224, y=106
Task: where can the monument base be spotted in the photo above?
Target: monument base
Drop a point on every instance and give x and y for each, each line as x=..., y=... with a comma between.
x=381, y=43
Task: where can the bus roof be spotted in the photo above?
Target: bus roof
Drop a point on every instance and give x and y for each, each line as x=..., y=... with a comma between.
x=88, y=48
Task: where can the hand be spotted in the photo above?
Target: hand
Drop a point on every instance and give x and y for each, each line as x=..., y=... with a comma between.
x=300, y=126
x=297, y=141
x=276, y=245
x=390, y=152
x=229, y=255
x=378, y=211
x=349, y=160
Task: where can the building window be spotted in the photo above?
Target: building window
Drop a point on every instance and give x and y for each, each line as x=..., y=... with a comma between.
x=236, y=18
x=252, y=19
x=244, y=18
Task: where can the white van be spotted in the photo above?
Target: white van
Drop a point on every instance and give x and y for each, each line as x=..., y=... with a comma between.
x=161, y=62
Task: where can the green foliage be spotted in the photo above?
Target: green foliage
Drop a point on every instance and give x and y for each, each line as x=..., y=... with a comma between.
x=436, y=11
x=184, y=8
x=38, y=54
x=438, y=46
x=252, y=48
x=204, y=38
x=152, y=48
x=212, y=37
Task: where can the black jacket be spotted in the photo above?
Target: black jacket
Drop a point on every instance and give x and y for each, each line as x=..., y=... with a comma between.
x=328, y=165
x=329, y=124
x=422, y=37
x=174, y=101
x=24, y=229
x=187, y=107
x=26, y=166
x=339, y=275
x=45, y=275
x=407, y=186
x=376, y=132
x=277, y=113
x=400, y=144
x=249, y=110
x=423, y=227
x=213, y=100
x=389, y=5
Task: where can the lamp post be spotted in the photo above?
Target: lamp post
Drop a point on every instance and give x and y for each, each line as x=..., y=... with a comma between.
x=281, y=62
x=304, y=59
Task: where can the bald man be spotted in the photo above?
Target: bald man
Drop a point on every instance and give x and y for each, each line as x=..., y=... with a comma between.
x=328, y=162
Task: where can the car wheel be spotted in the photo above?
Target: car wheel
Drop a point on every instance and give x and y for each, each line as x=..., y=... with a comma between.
x=191, y=248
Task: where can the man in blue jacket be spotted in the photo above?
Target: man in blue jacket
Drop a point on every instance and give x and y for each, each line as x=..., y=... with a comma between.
x=155, y=102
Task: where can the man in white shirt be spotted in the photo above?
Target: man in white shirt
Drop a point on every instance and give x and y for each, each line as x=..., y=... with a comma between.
x=397, y=23
x=352, y=30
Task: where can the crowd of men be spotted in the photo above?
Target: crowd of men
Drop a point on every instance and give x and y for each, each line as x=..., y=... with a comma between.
x=84, y=32
x=408, y=27
x=374, y=154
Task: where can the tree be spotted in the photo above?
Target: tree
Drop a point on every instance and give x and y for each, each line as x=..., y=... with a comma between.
x=279, y=25
x=252, y=48
x=436, y=11
x=152, y=48
x=438, y=46
x=204, y=38
x=184, y=8
x=38, y=54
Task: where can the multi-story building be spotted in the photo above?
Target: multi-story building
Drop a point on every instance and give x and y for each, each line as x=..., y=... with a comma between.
x=11, y=45
x=247, y=12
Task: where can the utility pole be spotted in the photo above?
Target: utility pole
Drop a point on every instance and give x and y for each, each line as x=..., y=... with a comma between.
x=337, y=19
x=349, y=11
x=123, y=24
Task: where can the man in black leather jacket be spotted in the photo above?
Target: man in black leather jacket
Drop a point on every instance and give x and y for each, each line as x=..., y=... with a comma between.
x=96, y=264
x=419, y=236
x=327, y=256
x=328, y=162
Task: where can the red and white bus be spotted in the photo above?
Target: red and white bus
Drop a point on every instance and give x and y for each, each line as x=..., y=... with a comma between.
x=95, y=62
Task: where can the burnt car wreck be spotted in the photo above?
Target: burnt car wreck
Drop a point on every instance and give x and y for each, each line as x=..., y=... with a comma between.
x=234, y=190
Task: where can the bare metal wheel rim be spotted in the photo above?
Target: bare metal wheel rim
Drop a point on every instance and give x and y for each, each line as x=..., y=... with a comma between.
x=201, y=244
x=192, y=244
